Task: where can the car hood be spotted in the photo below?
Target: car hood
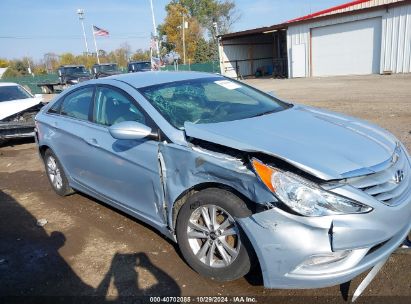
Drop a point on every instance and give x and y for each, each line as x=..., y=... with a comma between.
x=9, y=108
x=325, y=144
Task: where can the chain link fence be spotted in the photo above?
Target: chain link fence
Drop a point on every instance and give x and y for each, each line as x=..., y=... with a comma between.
x=209, y=67
x=32, y=81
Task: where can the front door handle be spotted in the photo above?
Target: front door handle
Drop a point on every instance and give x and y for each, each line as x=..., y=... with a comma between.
x=92, y=142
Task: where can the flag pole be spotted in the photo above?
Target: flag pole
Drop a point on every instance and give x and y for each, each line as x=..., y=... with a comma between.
x=95, y=44
x=155, y=29
x=151, y=56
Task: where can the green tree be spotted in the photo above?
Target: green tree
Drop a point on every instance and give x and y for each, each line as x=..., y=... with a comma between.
x=4, y=63
x=67, y=58
x=141, y=55
x=21, y=67
x=39, y=69
x=120, y=55
x=204, y=52
x=207, y=12
x=16, y=68
x=9, y=73
x=172, y=28
x=85, y=60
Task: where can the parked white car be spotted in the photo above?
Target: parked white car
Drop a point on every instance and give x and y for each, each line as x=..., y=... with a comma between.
x=17, y=110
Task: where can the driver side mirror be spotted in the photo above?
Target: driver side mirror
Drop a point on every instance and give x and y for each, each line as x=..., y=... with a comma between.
x=131, y=130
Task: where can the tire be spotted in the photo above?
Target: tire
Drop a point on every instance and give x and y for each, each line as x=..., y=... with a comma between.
x=196, y=241
x=56, y=175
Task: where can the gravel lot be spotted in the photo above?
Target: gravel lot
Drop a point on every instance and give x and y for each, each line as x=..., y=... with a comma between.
x=87, y=248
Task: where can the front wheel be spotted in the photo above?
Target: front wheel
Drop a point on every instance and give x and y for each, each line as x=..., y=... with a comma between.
x=209, y=237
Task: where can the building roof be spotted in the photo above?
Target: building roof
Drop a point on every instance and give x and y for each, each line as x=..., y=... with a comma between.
x=349, y=7
x=259, y=30
x=344, y=8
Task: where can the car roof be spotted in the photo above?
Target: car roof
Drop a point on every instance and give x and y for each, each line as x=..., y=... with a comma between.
x=71, y=66
x=145, y=79
x=140, y=61
x=108, y=63
x=7, y=84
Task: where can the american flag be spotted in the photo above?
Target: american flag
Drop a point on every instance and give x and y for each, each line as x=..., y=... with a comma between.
x=153, y=43
x=99, y=32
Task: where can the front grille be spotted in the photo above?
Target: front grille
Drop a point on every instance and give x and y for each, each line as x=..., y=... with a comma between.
x=388, y=186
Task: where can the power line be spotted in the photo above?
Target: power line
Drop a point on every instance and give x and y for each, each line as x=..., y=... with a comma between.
x=71, y=37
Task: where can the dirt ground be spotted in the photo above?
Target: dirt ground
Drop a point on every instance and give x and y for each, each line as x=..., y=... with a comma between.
x=88, y=249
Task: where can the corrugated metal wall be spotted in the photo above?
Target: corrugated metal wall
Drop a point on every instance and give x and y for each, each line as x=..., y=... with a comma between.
x=396, y=36
x=249, y=53
x=396, y=43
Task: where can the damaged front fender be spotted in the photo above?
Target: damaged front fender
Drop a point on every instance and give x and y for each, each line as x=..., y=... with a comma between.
x=184, y=168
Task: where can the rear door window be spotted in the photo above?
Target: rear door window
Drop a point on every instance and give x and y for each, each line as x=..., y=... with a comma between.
x=78, y=103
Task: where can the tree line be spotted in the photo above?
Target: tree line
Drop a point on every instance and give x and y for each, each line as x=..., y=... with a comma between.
x=205, y=18
x=51, y=61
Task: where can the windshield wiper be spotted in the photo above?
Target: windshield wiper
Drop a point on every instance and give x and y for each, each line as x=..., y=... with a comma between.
x=266, y=113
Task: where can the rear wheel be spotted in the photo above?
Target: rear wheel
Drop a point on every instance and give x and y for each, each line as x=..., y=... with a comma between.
x=209, y=237
x=56, y=175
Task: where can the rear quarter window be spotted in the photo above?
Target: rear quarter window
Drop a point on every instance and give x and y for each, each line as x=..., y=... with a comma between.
x=78, y=104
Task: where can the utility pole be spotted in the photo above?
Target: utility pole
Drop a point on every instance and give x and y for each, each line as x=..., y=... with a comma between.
x=80, y=13
x=184, y=41
x=155, y=29
x=215, y=25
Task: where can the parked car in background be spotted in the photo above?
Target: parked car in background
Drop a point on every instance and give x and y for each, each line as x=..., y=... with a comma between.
x=139, y=66
x=234, y=175
x=73, y=74
x=17, y=110
x=68, y=76
x=105, y=69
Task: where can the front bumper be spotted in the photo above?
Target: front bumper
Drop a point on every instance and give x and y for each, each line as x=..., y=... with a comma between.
x=16, y=129
x=283, y=242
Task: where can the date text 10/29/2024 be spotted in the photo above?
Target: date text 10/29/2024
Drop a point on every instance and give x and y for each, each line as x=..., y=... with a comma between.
x=206, y=299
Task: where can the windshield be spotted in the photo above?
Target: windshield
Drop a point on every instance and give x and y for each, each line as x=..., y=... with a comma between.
x=209, y=100
x=141, y=66
x=8, y=93
x=107, y=68
x=75, y=70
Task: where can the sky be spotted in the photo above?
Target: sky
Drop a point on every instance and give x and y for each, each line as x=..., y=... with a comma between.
x=35, y=27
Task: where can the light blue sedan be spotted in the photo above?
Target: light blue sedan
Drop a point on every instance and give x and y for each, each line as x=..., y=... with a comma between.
x=235, y=176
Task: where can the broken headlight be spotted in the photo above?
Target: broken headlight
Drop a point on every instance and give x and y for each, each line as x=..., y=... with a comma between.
x=304, y=197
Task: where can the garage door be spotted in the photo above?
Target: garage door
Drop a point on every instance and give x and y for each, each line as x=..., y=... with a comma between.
x=352, y=48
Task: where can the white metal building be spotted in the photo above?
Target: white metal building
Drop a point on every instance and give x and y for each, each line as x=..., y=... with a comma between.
x=356, y=38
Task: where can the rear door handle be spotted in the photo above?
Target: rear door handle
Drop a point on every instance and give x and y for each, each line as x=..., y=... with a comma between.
x=92, y=142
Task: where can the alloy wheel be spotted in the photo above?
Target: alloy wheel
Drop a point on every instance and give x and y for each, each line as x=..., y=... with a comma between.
x=213, y=236
x=53, y=172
